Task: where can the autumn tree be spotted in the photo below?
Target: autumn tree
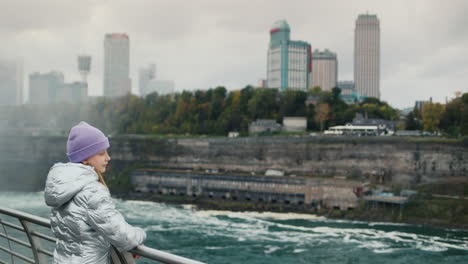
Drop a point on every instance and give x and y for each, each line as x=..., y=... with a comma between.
x=322, y=112
x=454, y=121
x=431, y=115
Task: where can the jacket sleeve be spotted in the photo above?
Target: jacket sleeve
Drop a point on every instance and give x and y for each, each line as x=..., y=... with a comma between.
x=108, y=222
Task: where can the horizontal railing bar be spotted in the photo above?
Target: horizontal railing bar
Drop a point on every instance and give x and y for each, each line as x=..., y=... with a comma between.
x=162, y=256
x=17, y=241
x=17, y=227
x=45, y=237
x=17, y=255
x=141, y=250
x=48, y=253
x=1, y=262
x=25, y=216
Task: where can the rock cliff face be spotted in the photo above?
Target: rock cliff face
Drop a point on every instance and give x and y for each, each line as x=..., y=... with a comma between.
x=24, y=161
x=387, y=160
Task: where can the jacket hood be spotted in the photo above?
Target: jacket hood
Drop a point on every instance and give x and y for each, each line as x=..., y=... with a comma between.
x=65, y=180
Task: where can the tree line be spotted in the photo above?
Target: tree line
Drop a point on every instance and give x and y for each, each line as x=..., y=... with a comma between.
x=450, y=118
x=216, y=111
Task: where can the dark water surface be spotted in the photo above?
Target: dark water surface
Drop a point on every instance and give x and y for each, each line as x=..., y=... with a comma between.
x=232, y=237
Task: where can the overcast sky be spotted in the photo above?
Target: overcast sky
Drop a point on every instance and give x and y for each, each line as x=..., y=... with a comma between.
x=205, y=43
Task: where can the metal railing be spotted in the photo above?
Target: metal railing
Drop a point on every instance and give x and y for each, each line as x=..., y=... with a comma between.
x=40, y=255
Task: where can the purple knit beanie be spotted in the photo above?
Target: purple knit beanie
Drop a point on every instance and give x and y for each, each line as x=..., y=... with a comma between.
x=85, y=141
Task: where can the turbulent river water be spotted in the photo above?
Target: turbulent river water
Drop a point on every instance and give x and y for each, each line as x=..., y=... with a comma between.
x=250, y=237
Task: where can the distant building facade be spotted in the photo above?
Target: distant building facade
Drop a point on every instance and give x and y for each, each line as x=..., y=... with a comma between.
x=264, y=125
x=11, y=82
x=262, y=83
x=294, y=124
x=324, y=69
x=361, y=120
x=419, y=104
x=72, y=93
x=348, y=92
x=50, y=88
x=116, y=65
x=162, y=87
x=289, y=62
x=43, y=88
x=149, y=84
x=367, y=56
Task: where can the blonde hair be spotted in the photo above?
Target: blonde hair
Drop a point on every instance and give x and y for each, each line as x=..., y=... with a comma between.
x=101, y=179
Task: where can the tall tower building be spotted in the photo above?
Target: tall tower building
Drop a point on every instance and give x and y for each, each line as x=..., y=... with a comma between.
x=289, y=62
x=11, y=82
x=116, y=65
x=324, y=69
x=367, y=56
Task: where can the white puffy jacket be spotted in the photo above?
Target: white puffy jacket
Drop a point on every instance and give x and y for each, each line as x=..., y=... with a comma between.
x=84, y=218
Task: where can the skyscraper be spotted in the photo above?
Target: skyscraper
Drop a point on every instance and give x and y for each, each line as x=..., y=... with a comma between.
x=116, y=65
x=289, y=61
x=324, y=69
x=367, y=56
x=11, y=82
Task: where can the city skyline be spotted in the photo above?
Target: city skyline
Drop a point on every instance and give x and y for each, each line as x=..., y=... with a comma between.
x=423, y=42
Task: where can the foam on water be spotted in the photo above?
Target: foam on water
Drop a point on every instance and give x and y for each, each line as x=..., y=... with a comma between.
x=271, y=249
x=22, y=200
x=299, y=250
x=257, y=226
x=270, y=233
x=386, y=250
x=264, y=215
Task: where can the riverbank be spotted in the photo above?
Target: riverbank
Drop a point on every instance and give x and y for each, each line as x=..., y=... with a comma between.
x=425, y=211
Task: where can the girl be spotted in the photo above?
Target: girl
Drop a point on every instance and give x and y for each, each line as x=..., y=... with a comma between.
x=84, y=218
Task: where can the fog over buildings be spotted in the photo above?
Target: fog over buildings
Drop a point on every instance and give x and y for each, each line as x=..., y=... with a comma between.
x=208, y=43
x=11, y=82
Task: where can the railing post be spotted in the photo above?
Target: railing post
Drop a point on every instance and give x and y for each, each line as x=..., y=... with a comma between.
x=39, y=257
x=8, y=241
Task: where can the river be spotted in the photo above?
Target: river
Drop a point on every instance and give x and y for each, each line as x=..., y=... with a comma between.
x=274, y=238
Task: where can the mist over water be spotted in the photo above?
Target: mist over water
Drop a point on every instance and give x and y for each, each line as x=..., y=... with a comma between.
x=251, y=237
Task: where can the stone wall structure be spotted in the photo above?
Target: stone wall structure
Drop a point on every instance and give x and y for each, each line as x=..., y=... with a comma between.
x=24, y=161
